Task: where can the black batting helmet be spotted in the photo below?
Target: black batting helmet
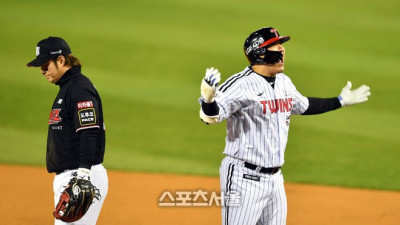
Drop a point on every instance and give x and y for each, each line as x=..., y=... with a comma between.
x=255, y=46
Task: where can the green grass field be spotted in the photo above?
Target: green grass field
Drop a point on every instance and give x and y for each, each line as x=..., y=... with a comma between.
x=147, y=59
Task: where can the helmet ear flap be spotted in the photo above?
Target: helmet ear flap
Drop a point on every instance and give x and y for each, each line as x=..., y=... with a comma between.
x=259, y=51
x=258, y=56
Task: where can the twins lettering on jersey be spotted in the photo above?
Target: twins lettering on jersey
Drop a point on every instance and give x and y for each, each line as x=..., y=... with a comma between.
x=277, y=105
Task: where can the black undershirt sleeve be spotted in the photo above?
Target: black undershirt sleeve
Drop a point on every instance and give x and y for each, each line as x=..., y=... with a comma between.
x=87, y=151
x=316, y=106
x=321, y=105
x=210, y=109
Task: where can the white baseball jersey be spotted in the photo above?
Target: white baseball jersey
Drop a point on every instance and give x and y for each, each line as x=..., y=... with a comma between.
x=258, y=116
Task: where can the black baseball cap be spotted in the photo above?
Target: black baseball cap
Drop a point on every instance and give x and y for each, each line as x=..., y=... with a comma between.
x=48, y=49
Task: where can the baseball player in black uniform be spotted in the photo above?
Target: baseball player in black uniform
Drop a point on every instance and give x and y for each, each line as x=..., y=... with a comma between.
x=76, y=135
x=257, y=104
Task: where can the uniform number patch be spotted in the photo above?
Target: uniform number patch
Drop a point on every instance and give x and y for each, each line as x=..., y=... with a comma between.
x=87, y=117
x=251, y=177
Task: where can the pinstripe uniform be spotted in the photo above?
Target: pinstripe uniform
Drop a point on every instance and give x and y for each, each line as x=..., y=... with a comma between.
x=258, y=118
x=257, y=107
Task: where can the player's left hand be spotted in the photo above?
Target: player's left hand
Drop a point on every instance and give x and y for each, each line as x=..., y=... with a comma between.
x=209, y=84
x=351, y=97
x=76, y=199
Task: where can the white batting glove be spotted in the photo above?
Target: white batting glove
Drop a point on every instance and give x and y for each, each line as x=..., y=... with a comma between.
x=209, y=84
x=83, y=173
x=351, y=97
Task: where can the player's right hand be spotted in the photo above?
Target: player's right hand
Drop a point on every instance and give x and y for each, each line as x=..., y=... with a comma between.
x=209, y=84
x=350, y=97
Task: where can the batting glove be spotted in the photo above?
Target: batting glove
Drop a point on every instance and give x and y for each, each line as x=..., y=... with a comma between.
x=83, y=173
x=351, y=97
x=209, y=84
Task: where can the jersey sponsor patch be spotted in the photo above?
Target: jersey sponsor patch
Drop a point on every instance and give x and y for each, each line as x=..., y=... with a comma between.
x=251, y=177
x=55, y=116
x=87, y=117
x=84, y=105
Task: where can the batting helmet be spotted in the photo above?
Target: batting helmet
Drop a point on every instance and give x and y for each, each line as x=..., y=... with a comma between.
x=255, y=46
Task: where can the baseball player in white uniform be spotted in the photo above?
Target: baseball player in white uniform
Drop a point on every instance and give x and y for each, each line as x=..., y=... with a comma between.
x=257, y=104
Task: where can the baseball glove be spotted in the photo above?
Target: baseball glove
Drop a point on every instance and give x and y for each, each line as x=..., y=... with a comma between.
x=75, y=200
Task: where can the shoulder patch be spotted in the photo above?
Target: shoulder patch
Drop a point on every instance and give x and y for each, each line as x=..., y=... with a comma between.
x=87, y=116
x=84, y=105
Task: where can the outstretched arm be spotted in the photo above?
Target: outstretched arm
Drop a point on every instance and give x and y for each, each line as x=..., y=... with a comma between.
x=346, y=98
x=321, y=105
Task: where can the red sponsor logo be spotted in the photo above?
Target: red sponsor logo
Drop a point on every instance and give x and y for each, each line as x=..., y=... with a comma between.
x=278, y=105
x=84, y=105
x=55, y=116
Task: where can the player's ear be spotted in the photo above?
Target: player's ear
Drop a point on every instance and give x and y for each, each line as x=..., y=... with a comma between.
x=61, y=59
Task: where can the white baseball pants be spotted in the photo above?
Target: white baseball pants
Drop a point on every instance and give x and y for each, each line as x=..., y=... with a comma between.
x=260, y=198
x=99, y=179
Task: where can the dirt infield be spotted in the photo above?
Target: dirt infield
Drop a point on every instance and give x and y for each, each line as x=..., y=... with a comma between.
x=135, y=198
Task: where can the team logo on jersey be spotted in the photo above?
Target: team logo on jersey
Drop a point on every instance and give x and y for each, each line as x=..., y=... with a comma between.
x=84, y=105
x=87, y=116
x=55, y=116
x=278, y=105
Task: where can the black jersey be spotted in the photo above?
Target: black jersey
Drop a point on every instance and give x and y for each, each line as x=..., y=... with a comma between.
x=76, y=136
